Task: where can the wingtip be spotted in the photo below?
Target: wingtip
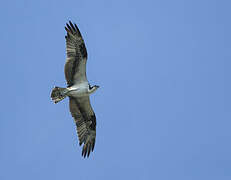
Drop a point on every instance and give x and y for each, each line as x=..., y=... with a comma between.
x=84, y=152
x=66, y=29
x=70, y=29
x=87, y=149
x=70, y=23
x=93, y=145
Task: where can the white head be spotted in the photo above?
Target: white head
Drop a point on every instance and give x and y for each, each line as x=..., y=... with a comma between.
x=92, y=88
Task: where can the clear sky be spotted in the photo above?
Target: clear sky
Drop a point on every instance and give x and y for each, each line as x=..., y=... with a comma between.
x=163, y=108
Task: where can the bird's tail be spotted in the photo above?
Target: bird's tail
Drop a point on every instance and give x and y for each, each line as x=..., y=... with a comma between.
x=58, y=94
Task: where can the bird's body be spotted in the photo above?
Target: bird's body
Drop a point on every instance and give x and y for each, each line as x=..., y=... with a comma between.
x=81, y=90
x=78, y=89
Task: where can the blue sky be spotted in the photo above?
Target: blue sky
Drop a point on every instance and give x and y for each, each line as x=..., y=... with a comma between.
x=163, y=107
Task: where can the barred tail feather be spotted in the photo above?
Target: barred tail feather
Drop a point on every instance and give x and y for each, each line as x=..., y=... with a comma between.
x=58, y=94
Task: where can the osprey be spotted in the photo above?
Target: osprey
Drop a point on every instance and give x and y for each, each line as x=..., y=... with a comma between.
x=78, y=89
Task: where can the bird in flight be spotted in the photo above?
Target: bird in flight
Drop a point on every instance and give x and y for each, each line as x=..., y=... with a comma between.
x=78, y=89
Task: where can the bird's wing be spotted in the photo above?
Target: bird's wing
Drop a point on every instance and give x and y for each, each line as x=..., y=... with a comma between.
x=85, y=120
x=75, y=67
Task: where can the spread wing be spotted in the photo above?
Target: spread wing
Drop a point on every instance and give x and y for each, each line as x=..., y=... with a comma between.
x=85, y=120
x=75, y=67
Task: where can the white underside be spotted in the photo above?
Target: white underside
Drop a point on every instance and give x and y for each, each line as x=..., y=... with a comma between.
x=79, y=90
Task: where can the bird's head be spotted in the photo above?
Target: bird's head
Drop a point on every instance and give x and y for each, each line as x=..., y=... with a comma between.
x=93, y=88
x=96, y=86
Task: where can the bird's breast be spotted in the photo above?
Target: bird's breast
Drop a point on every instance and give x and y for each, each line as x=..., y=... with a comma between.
x=78, y=91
